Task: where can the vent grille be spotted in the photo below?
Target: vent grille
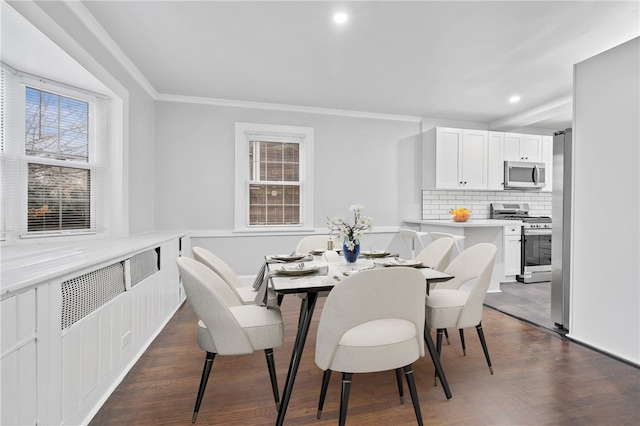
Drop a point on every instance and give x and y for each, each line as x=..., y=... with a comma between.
x=86, y=293
x=144, y=264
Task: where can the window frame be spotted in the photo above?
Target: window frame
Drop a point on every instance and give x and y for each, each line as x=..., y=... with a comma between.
x=97, y=164
x=276, y=133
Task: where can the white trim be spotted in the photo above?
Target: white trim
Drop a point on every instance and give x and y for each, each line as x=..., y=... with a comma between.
x=305, y=136
x=226, y=233
x=105, y=39
x=286, y=107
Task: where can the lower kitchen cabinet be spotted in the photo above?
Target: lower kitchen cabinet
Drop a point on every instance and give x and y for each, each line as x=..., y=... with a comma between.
x=512, y=250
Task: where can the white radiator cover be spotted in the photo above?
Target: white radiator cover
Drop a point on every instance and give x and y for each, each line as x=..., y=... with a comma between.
x=59, y=368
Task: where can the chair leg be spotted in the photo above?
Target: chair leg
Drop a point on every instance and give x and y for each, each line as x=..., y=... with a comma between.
x=484, y=345
x=208, y=363
x=439, y=333
x=323, y=391
x=400, y=387
x=464, y=348
x=344, y=399
x=446, y=335
x=411, y=382
x=268, y=353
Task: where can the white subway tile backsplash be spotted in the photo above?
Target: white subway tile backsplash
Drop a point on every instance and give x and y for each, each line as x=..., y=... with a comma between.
x=436, y=204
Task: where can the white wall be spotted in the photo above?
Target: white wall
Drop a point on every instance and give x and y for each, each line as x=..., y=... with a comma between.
x=605, y=264
x=61, y=24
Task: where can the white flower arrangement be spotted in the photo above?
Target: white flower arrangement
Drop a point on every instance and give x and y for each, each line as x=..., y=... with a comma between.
x=350, y=233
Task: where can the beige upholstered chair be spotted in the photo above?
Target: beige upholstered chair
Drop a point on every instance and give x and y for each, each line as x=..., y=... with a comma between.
x=372, y=321
x=437, y=255
x=247, y=294
x=226, y=326
x=316, y=242
x=459, y=302
x=456, y=238
x=416, y=236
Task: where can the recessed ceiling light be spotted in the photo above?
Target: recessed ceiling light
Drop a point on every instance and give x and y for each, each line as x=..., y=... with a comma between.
x=514, y=99
x=340, y=18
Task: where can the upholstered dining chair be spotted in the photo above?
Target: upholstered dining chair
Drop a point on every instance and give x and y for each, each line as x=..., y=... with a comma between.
x=415, y=236
x=459, y=302
x=437, y=254
x=372, y=321
x=456, y=238
x=247, y=294
x=316, y=242
x=226, y=326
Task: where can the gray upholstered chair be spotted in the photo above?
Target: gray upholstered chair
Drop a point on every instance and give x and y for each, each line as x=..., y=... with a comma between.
x=247, y=294
x=459, y=302
x=226, y=326
x=437, y=255
x=372, y=321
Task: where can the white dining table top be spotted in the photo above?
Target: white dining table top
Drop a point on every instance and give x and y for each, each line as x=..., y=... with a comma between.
x=337, y=271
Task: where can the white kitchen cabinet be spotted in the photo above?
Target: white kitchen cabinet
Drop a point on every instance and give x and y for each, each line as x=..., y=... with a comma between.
x=547, y=159
x=495, y=161
x=512, y=250
x=461, y=158
x=522, y=147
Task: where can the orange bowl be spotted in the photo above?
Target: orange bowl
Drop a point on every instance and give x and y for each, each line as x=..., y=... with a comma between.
x=460, y=217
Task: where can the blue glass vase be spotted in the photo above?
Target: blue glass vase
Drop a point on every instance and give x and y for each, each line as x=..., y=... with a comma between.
x=351, y=256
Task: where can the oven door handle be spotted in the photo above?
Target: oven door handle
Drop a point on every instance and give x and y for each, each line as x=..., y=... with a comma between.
x=545, y=231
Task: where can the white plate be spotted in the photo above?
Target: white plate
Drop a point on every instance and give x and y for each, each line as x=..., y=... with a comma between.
x=296, y=270
x=408, y=263
x=289, y=257
x=375, y=253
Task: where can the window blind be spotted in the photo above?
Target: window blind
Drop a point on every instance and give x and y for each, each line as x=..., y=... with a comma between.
x=55, y=149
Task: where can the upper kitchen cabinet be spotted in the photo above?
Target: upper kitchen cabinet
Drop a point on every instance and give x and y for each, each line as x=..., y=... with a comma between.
x=495, y=161
x=460, y=158
x=522, y=147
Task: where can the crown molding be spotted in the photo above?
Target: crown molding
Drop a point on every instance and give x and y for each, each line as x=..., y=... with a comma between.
x=105, y=39
x=286, y=107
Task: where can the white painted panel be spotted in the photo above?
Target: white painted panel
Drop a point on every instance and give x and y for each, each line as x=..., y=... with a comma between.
x=71, y=360
x=27, y=385
x=9, y=338
x=26, y=314
x=127, y=316
x=90, y=354
x=106, y=340
x=116, y=328
x=9, y=387
x=605, y=267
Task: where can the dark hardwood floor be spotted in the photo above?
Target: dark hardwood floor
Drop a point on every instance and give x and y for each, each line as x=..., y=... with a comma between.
x=540, y=378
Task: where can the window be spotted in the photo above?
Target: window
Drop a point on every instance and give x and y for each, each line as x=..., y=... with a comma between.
x=54, y=147
x=273, y=177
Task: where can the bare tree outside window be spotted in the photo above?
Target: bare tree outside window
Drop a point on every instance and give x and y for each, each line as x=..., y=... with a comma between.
x=57, y=128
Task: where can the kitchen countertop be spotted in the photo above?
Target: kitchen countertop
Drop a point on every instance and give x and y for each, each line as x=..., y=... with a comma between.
x=471, y=223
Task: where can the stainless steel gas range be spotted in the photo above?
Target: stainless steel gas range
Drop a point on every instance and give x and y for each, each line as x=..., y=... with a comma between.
x=535, y=252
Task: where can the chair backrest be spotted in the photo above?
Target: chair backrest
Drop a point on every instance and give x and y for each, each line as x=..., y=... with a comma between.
x=437, y=255
x=478, y=261
x=367, y=296
x=203, y=255
x=466, y=266
x=315, y=242
x=211, y=297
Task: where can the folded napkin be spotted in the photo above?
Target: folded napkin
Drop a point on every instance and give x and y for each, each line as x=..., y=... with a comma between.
x=262, y=296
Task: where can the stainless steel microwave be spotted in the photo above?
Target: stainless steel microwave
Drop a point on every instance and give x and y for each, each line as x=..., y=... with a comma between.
x=524, y=175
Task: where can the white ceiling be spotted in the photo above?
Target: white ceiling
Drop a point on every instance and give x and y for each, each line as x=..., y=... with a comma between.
x=453, y=60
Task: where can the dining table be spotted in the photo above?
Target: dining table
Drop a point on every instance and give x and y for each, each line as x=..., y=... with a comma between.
x=313, y=277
